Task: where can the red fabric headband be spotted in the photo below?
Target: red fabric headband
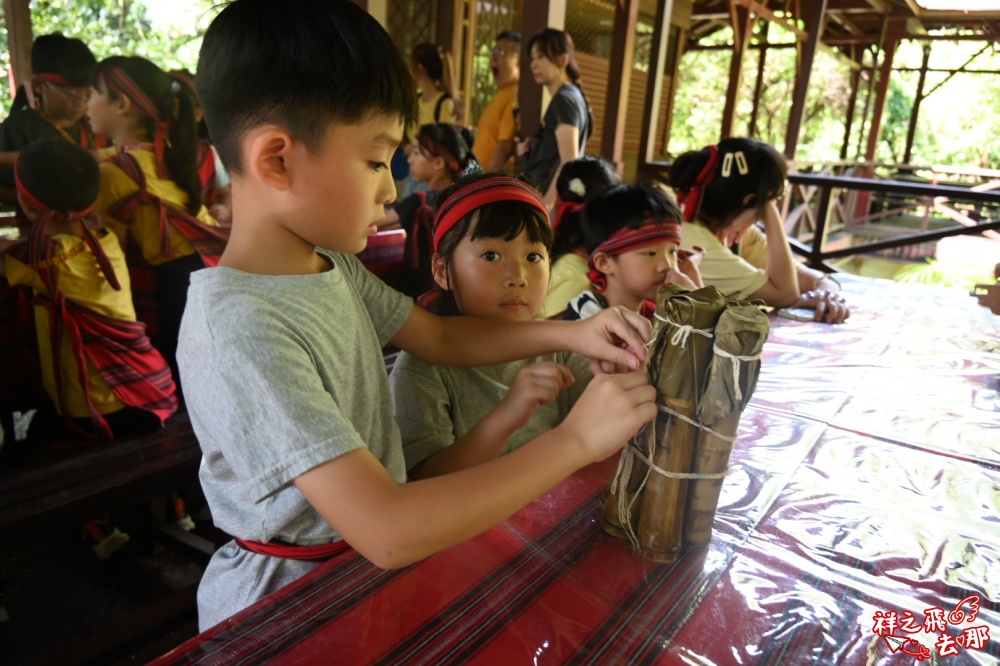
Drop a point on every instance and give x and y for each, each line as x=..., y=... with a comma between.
x=54, y=79
x=116, y=79
x=438, y=149
x=38, y=205
x=652, y=230
x=691, y=200
x=564, y=207
x=478, y=194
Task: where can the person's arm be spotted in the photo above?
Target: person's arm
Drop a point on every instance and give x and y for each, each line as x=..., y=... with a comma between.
x=568, y=142
x=782, y=286
x=395, y=524
x=615, y=338
x=501, y=155
x=8, y=158
x=535, y=384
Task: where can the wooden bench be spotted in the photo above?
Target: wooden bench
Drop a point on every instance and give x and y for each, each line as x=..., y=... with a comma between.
x=43, y=486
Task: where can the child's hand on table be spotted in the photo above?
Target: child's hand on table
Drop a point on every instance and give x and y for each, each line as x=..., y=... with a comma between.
x=610, y=410
x=829, y=305
x=535, y=384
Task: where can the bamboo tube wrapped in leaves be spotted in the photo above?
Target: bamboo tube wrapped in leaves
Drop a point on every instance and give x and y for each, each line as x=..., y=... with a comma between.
x=646, y=501
x=740, y=335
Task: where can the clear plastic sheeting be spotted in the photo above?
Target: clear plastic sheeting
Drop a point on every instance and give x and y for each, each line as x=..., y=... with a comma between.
x=859, y=523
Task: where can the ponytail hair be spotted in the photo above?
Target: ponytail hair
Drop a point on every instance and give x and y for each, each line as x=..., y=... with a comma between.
x=165, y=113
x=439, y=65
x=579, y=181
x=555, y=43
x=713, y=183
x=447, y=142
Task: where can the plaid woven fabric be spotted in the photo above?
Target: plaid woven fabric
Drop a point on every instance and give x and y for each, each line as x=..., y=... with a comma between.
x=207, y=240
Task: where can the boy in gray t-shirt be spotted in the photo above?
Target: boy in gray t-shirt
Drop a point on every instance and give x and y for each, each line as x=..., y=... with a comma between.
x=281, y=344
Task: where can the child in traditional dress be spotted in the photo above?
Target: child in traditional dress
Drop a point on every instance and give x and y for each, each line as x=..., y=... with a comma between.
x=490, y=261
x=438, y=157
x=281, y=346
x=725, y=189
x=632, y=234
x=105, y=379
x=150, y=188
x=579, y=181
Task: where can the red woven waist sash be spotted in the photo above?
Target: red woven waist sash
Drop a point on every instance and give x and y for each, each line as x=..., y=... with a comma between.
x=290, y=551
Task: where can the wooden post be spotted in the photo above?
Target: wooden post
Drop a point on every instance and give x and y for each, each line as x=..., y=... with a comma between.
x=917, y=99
x=377, y=8
x=741, y=35
x=758, y=88
x=881, y=92
x=804, y=64
x=17, y=16
x=537, y=15
x=454, y=32
x=619, y=79
x=851, y=103
x=654, y=85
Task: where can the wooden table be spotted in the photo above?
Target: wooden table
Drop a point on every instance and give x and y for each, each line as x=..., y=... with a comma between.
x=866, y=481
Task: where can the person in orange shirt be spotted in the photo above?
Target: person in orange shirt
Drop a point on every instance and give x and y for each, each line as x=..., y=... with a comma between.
x=497, y=128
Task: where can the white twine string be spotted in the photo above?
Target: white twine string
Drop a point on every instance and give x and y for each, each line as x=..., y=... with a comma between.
x=696, y=424
x=683, y=332
x=736, y=367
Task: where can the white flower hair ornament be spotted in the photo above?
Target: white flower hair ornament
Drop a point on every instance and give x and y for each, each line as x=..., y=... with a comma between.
x=577, y=187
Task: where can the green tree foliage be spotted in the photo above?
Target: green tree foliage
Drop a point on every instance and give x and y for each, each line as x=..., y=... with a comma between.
x=168, y=32
x=957, y=110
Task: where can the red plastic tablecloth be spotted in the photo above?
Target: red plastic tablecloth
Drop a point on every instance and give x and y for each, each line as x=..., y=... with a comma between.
x=865, y=485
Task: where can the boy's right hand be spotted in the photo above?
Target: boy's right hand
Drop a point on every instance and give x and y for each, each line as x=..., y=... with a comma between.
x=534, y=385
x=610, y=411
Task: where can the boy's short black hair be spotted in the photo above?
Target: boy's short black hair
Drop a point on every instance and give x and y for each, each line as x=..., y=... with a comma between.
x=625, y=207
x=300, y=64
x=59, y=54
x=59, y=174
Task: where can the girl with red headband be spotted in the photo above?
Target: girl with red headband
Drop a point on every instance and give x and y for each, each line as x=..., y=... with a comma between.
x=439, y=156
x=632, y=234
x=579, y=181
x=151, y=193
x=724, y=190
x=492, y=241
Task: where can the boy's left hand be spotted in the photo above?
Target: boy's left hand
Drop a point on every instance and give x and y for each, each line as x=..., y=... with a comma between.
x=614, y=340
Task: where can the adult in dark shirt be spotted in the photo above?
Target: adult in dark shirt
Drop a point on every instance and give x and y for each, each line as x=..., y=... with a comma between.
x=62, y=75
x=567, y=122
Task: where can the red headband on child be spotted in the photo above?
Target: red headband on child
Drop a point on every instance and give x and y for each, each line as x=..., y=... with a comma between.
x=46, y=215
x=478, y=194
x=691, y=199
x=438, y=149
x=54, y=79
x=564, y=207
x=116, y=79
x=652, y=230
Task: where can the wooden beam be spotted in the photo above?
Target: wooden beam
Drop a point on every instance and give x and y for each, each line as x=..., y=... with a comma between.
x=17, y=15
x=815, y=23
x=741, y=36
x=619, y=79
x=654, y=85
x=535, y=17
x=763, y=12
x=759, y=84
x=852, y=102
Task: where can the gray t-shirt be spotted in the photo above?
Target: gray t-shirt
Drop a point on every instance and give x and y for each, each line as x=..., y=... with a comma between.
x=281, y=374
x=435, y=405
